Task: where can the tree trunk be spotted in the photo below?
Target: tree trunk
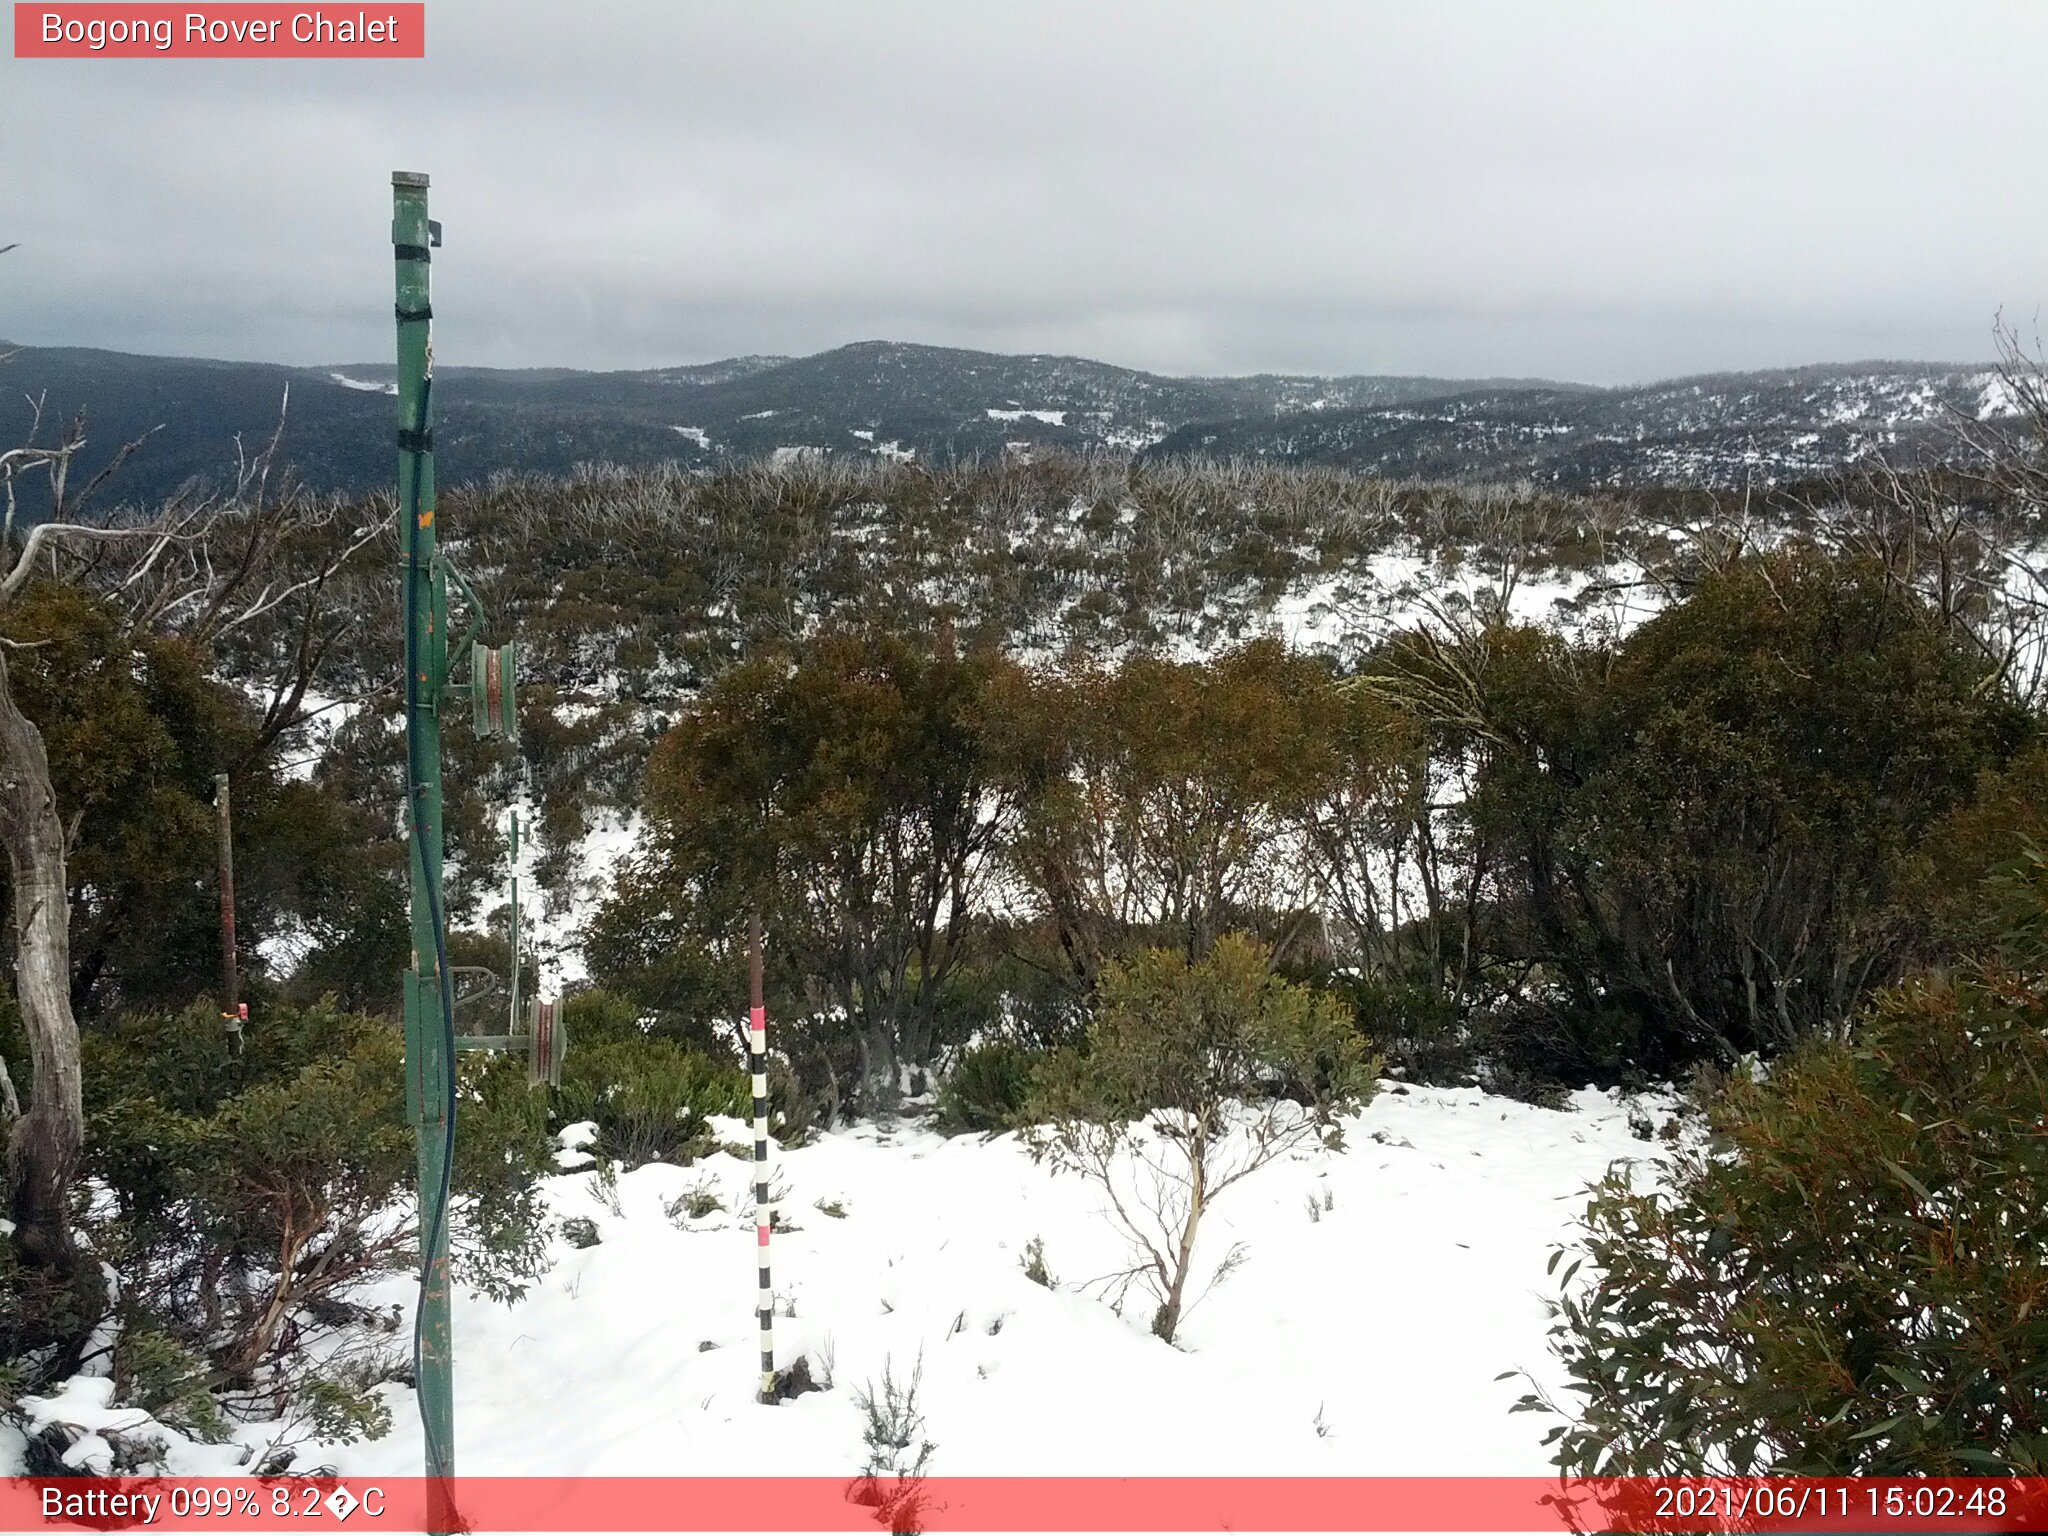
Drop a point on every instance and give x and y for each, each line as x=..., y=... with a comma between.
x=45, y=1142
x=1166, y=1321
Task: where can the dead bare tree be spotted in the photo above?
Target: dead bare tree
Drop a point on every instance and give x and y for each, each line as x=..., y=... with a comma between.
x=1962, y=530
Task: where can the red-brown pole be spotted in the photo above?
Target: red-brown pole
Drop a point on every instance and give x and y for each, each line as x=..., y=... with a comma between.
x=230, y=980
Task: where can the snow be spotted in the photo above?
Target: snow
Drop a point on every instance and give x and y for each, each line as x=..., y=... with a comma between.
x=85, y=1403
x=1135, y=439
x=1997, y=398
x=696, y=435
x=1386, y=1318
x=572, y=1143
x=372, y=385
x=1346, y=612
x=320, y=716
x=1050, y=418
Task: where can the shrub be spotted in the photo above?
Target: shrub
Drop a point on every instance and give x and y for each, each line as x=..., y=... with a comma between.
x=1853, y=1282
x=165, y=1379
x=797, y=1111
x=1199, y=1051
x=1034, y=1263
x=1536, y=1049
x=898, y=1453
x=1706, y=837
x=1416, y=1029
x=249, y=1200
x=598, y=1014
x=648, y=1096
x=699, y=1201
x=249, y=1186
x=987, y=1089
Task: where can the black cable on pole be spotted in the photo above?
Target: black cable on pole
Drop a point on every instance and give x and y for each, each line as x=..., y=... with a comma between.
x=415, y=778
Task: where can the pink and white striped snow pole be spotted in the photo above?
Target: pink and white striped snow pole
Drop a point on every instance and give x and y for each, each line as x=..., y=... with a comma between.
x=764, y=1212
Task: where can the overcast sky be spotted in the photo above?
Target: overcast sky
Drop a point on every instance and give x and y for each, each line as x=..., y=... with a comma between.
x=1604, y=192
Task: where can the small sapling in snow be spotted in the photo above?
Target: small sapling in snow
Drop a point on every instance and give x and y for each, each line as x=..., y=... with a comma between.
x=1034, y=1263
x=1179, y=1096
x=898, y=1452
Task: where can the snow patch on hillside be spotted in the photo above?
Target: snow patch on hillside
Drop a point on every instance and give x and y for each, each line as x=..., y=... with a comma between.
x=1996, y=397
x=556, y=921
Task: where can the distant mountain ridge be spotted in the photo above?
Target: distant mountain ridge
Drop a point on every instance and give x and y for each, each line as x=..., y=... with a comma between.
x=938, y=403
x=1725, y=429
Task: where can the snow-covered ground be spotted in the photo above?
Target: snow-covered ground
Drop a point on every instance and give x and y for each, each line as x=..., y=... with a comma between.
x=1363, y=1341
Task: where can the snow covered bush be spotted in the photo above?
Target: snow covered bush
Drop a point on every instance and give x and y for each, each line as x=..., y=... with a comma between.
x=245, y=1200
x=648, y=1094
x=1852, y=1281
x=1176, y=1095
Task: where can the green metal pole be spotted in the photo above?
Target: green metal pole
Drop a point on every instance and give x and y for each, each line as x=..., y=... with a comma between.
x=429, y=1044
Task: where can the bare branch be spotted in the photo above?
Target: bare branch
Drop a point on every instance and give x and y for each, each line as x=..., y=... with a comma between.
x=54, y=534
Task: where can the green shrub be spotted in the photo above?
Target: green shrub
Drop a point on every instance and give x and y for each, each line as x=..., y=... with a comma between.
x=250, y=1190
x=1853, y=1281
x=246, y=1201
x=1034, y=1263
x=1187, y=1067
x=598, y=1015
x=499, y=1237
x=987, y=1088
x=1415, y=1029
x=797, y=1110
x=166, y=1379
x=277, y=1164
x=648, y=1095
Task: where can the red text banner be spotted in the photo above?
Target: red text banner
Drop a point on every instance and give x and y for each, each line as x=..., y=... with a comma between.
x=1047, y=1504
x=230, y=31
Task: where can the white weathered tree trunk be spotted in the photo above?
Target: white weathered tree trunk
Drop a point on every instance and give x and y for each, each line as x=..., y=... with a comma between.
x=44, y=1143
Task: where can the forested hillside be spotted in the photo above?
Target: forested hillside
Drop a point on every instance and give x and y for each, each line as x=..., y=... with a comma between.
x=879, y=401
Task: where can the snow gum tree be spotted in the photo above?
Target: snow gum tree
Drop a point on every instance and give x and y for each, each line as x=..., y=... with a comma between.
x=1194, y=1075
x=845, y=794
x=1159, y=797
x=1850, y=1280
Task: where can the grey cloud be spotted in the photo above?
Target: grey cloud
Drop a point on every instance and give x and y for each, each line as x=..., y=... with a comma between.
x=1602, y=191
